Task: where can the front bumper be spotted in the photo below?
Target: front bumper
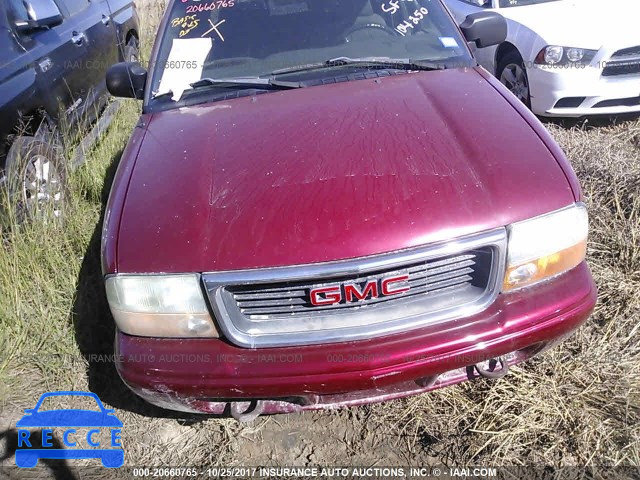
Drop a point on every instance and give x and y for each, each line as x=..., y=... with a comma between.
x=615, y=95
x=205, y=375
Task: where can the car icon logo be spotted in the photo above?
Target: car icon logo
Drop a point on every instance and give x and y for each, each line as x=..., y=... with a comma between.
x=33, y=448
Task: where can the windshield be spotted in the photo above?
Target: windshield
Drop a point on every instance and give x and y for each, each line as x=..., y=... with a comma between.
x=254, y=40
x=520, y=3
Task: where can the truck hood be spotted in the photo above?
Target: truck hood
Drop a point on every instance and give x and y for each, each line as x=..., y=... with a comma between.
x=332, y=172
x=589, y=24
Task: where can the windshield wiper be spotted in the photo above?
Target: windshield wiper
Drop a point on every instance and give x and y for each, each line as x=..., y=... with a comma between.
x=391, y=63
x=156, y=96
x=273, y=84
x=239, y=83
x=248, y=82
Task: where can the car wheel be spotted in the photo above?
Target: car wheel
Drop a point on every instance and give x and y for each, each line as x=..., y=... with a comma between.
x=132, y=50
x=513, y=75
x=36, y=178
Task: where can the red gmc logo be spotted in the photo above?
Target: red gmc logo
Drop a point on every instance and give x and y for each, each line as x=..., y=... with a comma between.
x=333, y=294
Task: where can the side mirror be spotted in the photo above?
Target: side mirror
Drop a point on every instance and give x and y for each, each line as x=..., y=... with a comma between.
x=42, y=14
x=127, y=79
x=485, y=29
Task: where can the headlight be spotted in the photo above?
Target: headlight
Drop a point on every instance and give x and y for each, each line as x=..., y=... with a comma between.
x=159, y=306
x=546, y=246
x=553, y=55
x=556, y=55
x=575, y=54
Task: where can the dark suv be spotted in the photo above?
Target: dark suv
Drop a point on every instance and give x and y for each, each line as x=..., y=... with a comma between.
x=53, y=60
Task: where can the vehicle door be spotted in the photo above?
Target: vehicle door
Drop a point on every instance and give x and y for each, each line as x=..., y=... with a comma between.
x=56, y=57
x=460, y=9
x=92, y=30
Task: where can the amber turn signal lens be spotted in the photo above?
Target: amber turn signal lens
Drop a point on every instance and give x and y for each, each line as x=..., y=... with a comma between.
x=534, y=271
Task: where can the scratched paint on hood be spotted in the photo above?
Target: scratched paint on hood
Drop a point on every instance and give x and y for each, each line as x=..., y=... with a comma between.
x=333, y=172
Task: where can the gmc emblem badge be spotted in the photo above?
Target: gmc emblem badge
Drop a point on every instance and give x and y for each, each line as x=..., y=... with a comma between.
x=350, y=292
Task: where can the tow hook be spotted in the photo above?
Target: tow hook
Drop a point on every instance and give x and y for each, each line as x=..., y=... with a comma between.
x=246, y=411
x=490, y=370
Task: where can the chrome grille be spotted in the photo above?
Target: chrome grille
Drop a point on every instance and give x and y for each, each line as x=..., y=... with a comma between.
x=293, y=299
x=623, y=62
x=273, y=307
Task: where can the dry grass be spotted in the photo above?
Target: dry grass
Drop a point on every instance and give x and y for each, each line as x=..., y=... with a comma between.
x=579, y=404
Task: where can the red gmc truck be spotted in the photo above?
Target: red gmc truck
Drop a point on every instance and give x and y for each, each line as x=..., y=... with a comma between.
x=328, y=203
